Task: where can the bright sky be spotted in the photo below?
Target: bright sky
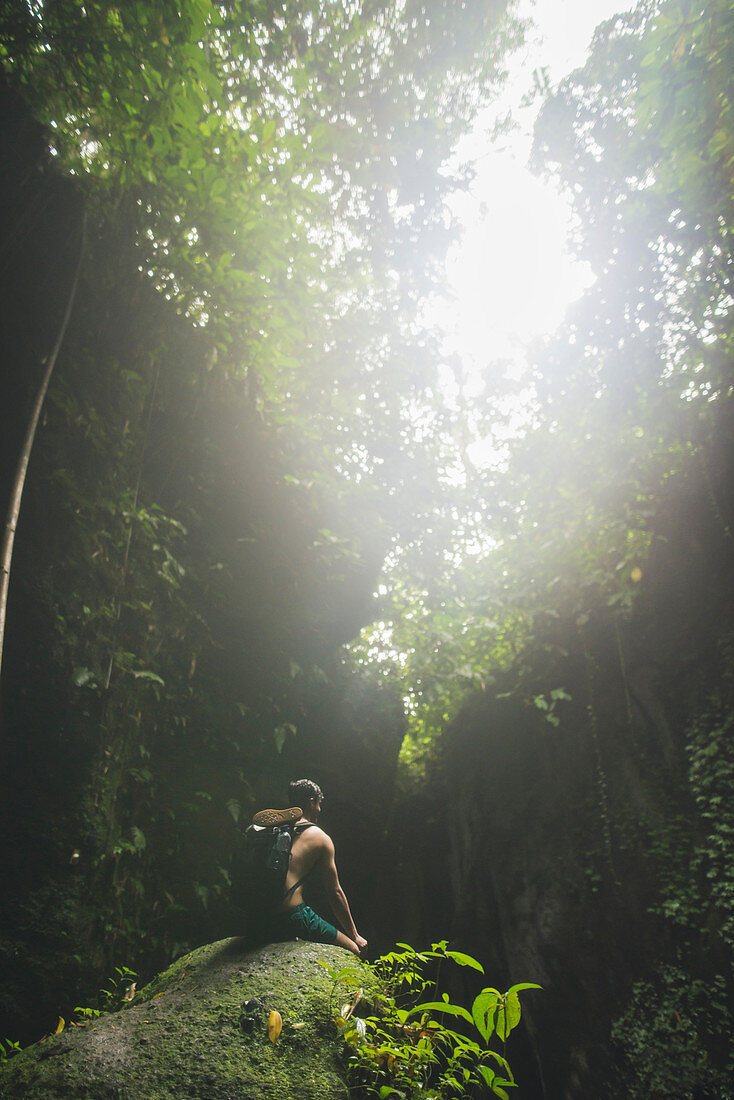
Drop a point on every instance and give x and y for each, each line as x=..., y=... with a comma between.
x=512, y=277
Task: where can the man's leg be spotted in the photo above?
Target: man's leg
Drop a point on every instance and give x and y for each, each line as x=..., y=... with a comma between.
x=308, y=925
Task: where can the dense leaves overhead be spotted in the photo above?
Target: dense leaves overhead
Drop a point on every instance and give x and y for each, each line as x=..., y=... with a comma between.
x=633, y=392
x=282, y=164
x=244, y=415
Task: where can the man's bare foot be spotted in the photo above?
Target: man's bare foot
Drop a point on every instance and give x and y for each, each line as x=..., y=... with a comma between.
x=344, y=941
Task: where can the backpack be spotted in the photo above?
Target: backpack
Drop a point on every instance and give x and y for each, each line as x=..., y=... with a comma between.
x=271, y=846
x=267, y=854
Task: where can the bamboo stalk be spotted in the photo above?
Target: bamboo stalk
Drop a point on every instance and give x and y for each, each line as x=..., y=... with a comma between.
x=16, y=494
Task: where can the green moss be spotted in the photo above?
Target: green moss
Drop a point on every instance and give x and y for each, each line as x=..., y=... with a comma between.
x=182, y=1037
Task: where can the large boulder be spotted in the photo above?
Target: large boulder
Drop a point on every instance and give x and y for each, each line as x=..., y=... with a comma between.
x=188, y=1036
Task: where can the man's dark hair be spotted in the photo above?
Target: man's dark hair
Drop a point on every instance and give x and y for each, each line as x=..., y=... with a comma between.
x=301, y=790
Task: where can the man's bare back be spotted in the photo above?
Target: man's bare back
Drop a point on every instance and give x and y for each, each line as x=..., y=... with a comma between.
x=312, y=853
x=307, y=851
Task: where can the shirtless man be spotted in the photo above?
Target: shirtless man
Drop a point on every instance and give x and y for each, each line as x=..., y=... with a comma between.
x=312, y=852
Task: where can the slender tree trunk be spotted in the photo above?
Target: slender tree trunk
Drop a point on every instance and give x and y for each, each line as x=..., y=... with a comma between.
x=16, y=493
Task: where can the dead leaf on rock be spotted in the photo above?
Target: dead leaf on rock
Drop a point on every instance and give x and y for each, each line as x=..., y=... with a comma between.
x=60, y=1026
x=349, y=1008
x=275, y=1025
x=129, y=992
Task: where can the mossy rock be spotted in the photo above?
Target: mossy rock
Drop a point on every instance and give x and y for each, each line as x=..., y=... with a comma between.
x=186, y=1036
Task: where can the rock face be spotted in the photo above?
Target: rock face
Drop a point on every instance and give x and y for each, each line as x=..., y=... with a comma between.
x=572, y=848
x=187, y=1035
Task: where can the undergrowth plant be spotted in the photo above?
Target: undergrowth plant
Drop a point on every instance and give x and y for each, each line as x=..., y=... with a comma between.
x=8, y=1049
x=118, y=989
x=405, y=1049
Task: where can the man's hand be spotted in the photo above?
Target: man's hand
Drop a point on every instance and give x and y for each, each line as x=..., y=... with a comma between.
x=361, y=942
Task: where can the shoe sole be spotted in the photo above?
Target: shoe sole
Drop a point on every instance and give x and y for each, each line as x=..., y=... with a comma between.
x=278, y=817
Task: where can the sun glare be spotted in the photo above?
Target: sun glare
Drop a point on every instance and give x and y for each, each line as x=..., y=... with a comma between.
x=512, y=275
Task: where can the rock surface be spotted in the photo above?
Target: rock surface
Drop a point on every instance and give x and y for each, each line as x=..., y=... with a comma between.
x=187, y=1035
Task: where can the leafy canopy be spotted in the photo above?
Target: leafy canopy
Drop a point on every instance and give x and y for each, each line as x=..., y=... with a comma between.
x=626, y=396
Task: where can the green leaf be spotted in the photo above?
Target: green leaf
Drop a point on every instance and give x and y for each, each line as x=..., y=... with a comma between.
x=465, y=960
x=442, y=1006
x=83, y=677
x=320, y=136
x=440, y=947
x=146, y=674
x=487, y=1073
x=280, y=734
x=508, y=1015
x=500, y=1061
x=505, y=1083
x=484, y=1010
x=559, y=693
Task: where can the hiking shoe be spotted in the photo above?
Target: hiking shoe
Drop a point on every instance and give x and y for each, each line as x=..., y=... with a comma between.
x=269, y=818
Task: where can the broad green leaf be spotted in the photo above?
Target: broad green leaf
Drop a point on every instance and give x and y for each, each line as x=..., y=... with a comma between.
x=508, y=1015
x=441, y=1006
x=487, y=1073
x=465, y=960
x=484, y=1011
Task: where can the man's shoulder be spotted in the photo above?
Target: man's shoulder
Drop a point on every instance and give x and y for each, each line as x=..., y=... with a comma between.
x=315, y=835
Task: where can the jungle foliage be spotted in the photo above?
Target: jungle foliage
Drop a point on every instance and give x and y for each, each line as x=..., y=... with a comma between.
x=405, y=1047
x=557, y=585
x=281, y=167
x=632, y=395
x=243, y=418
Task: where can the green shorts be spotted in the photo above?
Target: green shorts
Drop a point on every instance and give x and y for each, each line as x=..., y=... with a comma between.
x=304, y=924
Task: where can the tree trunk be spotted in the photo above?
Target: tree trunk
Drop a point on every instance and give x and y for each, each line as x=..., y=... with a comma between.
x=16, y=492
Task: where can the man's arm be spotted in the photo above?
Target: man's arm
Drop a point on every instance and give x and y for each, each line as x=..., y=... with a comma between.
x=337, y=897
